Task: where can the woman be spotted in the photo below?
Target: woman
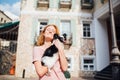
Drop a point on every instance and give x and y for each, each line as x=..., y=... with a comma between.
x=44, y=41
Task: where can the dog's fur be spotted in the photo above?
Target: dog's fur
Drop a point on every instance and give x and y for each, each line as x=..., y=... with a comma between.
x=50, y=55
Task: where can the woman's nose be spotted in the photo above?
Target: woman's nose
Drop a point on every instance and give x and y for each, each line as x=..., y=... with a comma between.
x=50, y=31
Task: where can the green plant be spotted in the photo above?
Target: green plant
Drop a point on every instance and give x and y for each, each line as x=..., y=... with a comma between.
x=67, y=74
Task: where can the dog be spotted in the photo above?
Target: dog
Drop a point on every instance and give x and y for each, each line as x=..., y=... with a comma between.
x=50, y=55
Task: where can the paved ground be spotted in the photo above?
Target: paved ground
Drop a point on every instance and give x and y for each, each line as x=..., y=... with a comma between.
x=10, y=77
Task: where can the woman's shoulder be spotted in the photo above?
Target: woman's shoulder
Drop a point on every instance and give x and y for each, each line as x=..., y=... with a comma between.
x=38, y=47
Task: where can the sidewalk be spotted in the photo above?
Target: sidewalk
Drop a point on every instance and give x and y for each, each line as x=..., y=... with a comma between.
x=11, y=77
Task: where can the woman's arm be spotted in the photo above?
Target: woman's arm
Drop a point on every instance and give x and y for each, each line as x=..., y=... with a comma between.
x=41, y=70
x=63, y=60
x=62, y=57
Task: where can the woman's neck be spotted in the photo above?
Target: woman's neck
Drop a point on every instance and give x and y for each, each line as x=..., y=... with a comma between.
x=47, y=44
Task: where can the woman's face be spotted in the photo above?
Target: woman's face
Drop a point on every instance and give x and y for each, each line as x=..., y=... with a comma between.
x=49, y=32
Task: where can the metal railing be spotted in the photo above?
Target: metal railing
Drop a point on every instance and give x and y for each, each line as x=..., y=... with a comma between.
x=8, y=41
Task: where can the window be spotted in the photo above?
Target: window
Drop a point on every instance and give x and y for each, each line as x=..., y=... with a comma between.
x=86, y=30
x=65, y=28
x=41, y=26
x=1, y=19
x=87, y=4
x=88, y=63
x=42, y=4
x=70, y=62
x=4, y=21
x=87, y=1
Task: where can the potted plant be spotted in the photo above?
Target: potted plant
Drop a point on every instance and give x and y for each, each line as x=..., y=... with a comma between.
x=67, y=75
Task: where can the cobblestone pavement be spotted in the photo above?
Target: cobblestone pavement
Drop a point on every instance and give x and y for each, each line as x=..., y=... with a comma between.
x=11, y=77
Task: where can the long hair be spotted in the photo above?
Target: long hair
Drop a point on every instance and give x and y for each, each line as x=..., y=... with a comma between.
x=41, y=37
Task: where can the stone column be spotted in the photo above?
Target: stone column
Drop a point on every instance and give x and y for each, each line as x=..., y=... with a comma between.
x=24, y=66
x=25, y=47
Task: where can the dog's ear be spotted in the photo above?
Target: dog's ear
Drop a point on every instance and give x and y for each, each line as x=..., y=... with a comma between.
x=55, y=36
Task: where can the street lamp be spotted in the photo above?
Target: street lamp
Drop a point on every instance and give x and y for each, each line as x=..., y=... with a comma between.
x=115, y=51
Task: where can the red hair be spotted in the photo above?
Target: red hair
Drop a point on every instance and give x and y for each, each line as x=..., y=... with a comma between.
x=41, y=37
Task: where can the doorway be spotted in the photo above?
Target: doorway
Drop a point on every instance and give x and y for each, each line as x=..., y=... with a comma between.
x=117, y=28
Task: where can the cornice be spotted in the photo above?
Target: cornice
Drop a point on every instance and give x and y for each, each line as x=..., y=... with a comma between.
x=105, y=9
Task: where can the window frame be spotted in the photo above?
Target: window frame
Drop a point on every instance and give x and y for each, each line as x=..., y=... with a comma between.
x=90, y=29
x=61, y=28
x=39, y=25
x=88, y=57
x=1, y=20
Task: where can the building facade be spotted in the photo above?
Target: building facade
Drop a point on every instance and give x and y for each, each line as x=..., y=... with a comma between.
x=4, y=18
x=82, y=21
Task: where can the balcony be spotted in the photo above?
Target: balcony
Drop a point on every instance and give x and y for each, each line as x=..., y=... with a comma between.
x=43, y=3
x=66, y=4
x=87, y=4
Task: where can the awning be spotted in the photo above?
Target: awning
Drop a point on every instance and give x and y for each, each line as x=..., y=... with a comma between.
x=9, y=24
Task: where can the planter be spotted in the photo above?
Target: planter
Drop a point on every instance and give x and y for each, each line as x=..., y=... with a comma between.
x=67, y=75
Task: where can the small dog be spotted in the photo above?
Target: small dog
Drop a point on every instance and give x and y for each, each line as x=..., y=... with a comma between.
x=50, y=55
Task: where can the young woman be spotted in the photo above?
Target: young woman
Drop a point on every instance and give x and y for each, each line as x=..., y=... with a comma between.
x=44, y=41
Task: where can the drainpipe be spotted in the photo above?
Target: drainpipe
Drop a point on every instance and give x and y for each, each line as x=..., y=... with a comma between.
x=115, y=62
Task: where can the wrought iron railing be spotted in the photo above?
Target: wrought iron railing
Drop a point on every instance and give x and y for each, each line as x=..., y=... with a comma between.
x=8, y=41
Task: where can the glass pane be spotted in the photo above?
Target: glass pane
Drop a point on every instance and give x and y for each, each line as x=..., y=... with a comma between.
x=88, y=28
x=86, y=1
x=85, y=67
x=86, y=24
x=88, y=34
x=43, y=23
x=84, y=34
x=84, y=29
x=91, y=67
x=88, y=61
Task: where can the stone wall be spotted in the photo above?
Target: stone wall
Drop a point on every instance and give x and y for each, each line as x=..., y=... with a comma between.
x=7, y=61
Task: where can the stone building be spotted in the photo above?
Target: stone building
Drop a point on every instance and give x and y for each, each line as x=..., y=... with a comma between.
x=4, y=18
x=86, y=24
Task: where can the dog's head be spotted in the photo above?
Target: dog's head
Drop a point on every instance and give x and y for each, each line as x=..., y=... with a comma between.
x=56, y=36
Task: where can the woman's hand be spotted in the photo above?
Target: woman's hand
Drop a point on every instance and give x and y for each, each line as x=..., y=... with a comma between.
x=58, y=44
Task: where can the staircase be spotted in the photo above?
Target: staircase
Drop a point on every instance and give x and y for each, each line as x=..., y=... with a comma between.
x=105, y=74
